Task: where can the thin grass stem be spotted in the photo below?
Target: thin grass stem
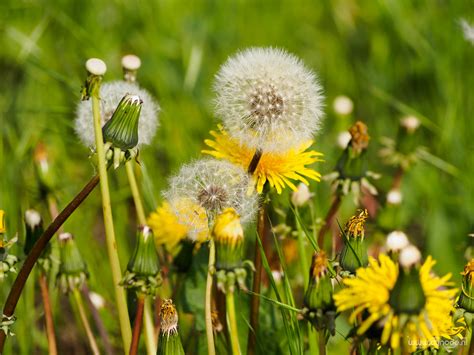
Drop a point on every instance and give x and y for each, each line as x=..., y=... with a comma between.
x=85, y=322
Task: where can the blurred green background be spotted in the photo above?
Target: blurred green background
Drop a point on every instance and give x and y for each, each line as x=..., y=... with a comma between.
x=392, y=58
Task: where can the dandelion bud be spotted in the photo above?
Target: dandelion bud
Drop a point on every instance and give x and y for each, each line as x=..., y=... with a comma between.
x=143, y=272
x=130, y=64
x=466, y=299
x=394, y=197
x=34, y=229
x=396, y=241
x=169, y=342
x=72, y=272
x=343, y=105
x=301, y=195
x=228, y=236
x=407, y=295
x=354, y=252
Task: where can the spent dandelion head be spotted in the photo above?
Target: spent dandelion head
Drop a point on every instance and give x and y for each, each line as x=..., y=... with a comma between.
x=203, y=189
x=466, y=298
x=268, y=99
x=111, y=94
x=170, y=341
x=72, y=272
x=403, y=308
x=354, y=252
x=279, y=169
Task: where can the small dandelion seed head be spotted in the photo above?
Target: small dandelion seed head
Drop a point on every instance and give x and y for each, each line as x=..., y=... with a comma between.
x=268, y=99
x=97, y=300
x=96, y=66
x=410, y=123
x=396, y=240
x=209, y=186
x=131, y=62
x=110, y=96
x=32, y=218
x=301, y=195
x=394, y=197
x=343, y=105
x=409, y=256
x=343, y=139
x=64, y=237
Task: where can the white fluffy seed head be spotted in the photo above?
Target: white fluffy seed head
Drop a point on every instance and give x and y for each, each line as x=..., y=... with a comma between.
x=343, y=139
x=131, y=62
x=110, y=95
x=468, y=30
x=409, y=256
x=410, y=123
x=396, y=240
x=96, y=66
x=209, y=186
x=394, y=197
x=65, y=236
x=301, y=195
x=32, y=218
x=268, y=99
x=343, y=105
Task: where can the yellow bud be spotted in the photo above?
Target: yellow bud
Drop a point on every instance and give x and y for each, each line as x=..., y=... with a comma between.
x=227, y=228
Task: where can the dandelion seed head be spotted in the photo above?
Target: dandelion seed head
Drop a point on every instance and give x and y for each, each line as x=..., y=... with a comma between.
x=205, y=188
x=396, y=240
x=409, y=256
x=268, y=99
x=343, y=105
x=32, y=218
x=110, y=96
x=343, y=139
x=96, y=66
x=131, y=62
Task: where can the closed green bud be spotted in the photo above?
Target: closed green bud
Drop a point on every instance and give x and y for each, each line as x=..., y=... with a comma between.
x=169, y=342
x=122, y=128
x=354, y=253
x=72, y=272
x=143, y=272
x=319, y=292
x=466, y=299
x=407, y=296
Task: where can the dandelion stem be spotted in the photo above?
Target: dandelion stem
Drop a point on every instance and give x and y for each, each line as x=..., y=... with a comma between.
x=37, y=250
x=322, y=342
x=210, y=274
x=151, y=344
x=471, y=344
x=255, y=300
x=137, y=325
x=48, y=315
x=85, y=322
x=109, y=225
x=232, y=322
x=328, y=221
x=302, y=252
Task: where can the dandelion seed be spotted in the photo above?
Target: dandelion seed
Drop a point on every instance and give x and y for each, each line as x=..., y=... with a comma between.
x=203, y=189
x=110, y=96
x=268, y=99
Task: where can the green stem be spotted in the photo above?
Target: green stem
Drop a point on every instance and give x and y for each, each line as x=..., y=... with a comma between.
x=322, y=342
x=471, y=344
x=149, y=330
x=85, y=322
x=210, y=271
x=302, y=252
x=232, y=322
x=114, y=261
x=312, y=339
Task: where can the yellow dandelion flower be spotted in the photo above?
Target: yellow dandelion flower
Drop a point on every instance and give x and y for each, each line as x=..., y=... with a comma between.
x=276, y=168
x=368, y=296
x=2, y=222
x=169, y=231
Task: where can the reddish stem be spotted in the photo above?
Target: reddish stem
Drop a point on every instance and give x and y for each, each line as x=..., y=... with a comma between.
x=48, y=315
x=137, y=325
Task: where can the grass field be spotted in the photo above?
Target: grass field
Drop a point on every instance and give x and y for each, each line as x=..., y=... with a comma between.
x=392, y=58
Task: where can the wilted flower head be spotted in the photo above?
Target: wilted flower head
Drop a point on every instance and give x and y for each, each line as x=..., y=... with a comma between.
x=205, y=188
x=110, y=96
x=268, y=99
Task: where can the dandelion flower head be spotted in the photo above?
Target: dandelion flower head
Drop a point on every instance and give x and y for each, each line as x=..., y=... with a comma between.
x=268, y=99
x=368, y=296
x=110, y=96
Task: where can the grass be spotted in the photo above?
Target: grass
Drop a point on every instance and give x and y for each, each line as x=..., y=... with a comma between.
x=391, y=57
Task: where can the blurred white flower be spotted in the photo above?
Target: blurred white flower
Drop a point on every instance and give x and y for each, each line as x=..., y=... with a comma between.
x=301, y=195
x=202, y=189
x=409, y=256
x=343, y=105
x=110, y=95
x=343, y=139
x=394, y=197
x=468, y=30
x=410, y=123
x=97, y=300
x=268, y=99
x=396, y=240
x=96, y=66
x=32, y=218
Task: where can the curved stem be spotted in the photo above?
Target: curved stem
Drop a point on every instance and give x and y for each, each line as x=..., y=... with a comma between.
x=232, y=323
x=137, y=325
x=85, y=322
x=114, y=261
x=48, y=315
x=210, y=270
x=37, y=250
